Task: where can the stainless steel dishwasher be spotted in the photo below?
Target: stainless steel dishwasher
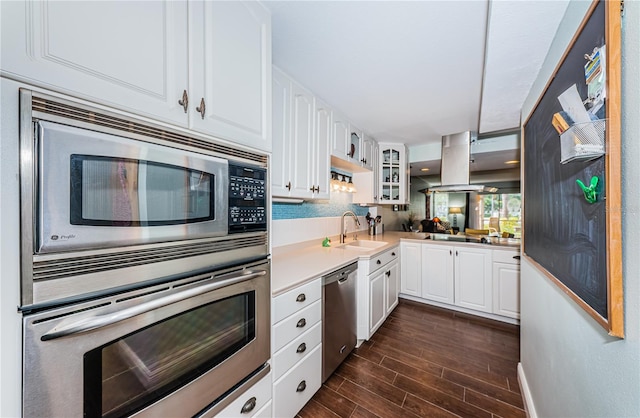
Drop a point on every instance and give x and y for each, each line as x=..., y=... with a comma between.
x=338, y=317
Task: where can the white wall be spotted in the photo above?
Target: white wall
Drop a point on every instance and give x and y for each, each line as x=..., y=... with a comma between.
x=572, y=367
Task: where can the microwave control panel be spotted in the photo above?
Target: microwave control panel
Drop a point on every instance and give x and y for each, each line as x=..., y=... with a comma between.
x=247, y=198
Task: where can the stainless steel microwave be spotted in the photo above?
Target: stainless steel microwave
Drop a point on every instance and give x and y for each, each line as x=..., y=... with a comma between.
x=110, y=201
x=98, y=190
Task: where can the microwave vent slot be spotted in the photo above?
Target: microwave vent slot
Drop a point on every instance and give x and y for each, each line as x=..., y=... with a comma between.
x=96, y=261
x=44, y=107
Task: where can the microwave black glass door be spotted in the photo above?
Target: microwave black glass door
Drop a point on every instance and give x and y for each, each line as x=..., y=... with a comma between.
x=132, y=372
x=108, y=191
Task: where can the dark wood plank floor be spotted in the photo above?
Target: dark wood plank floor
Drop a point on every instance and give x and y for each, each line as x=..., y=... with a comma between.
x=427, y=362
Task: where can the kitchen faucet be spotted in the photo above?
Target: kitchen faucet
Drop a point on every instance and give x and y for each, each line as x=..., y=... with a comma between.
x=343, y=234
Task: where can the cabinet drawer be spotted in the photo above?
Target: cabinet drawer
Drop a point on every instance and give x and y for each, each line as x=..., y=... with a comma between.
x=296, y=299
x=297, y=386
x=255, y=399
x=295, y=325
x=504, y=256
x=296, y=350
x=380, y=260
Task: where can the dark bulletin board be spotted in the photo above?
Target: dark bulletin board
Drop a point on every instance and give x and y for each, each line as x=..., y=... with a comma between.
x=572, y=241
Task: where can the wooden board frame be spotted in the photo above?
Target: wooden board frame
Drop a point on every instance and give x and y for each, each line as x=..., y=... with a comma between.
x=614, y=323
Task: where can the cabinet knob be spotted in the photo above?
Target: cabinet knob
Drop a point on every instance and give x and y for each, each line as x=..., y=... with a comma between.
x=301, y=386
x=378, y=262
x=201, y=108
x=393, y=254
x=301, y=323
x=288, y=186
x=248, y=406
x=516, y=257
x=388, y=273
x=450, y=252
x=301, y=348
x=301, y=297
x=184, y=102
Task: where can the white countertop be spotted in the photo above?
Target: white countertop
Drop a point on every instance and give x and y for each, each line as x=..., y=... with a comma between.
x=297, y=264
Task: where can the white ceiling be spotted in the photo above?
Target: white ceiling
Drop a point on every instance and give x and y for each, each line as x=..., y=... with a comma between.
x=412, y=71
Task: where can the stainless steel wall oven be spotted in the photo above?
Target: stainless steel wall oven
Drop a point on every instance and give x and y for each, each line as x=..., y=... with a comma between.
x=145, y=279
x=109, y=201
x=173, y=349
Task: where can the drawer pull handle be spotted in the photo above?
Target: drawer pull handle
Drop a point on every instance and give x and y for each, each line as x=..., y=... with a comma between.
x=301, y=386
x=248, y=406
x=301, y=348
x=393, y=254
x=301, y=297
x=388, y=273
x=378, y=262
x=301, y=323
x=516, y=257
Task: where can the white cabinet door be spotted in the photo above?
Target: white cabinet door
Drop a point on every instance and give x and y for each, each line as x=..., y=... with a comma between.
x=376, y=301
x=302, y=142
x=322, y=142
x=368, y=145
x=392, y=287
x=437, y=273
x=473, y=278
x=131, y=55
x=230, y=71
x=282, y=147
x=506, y=289
x=341, y=137
x=411, y=270
x=392, y=174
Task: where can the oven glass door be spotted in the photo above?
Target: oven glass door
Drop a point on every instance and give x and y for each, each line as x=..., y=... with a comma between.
x=130, y=372
x=98, y=190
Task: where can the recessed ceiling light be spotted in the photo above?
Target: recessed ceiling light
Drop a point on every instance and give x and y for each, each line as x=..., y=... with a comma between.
x=424, y=169
x=512, y=162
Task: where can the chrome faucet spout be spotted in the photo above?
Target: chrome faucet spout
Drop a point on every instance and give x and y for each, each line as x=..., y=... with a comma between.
x=343, y=232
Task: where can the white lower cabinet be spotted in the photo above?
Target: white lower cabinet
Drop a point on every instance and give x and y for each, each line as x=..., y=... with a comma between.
x=293, y=390
x=411, y=268
x=377, y=290
x=255, y=402
x=376, y=301
x=437, y=273
x=296, y=347
x=476, y=278
x=392, y=288
x=506, y=283
x=473, y=278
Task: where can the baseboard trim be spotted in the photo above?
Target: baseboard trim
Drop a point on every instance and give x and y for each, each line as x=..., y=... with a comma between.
x=526, y=393
x=461, y=309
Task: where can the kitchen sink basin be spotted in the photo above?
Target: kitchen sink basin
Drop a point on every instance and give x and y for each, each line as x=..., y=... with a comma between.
x=364, y=245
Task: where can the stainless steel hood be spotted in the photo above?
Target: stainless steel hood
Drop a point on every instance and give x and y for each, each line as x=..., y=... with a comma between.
x=454, y=171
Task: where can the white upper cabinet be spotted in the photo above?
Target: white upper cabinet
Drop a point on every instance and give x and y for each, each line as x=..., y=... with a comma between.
x=341, y=137
x=323, y=136
x=393, y=174
x=282, y=147
x=130, y=55
x=301, y=138
x=368, y=152
x=195, y=64
x=230, y=71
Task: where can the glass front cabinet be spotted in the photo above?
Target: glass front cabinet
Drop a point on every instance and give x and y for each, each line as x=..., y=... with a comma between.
x=394, y=175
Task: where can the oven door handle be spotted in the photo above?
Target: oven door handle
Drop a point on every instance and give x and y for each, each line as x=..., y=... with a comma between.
x=99, y=321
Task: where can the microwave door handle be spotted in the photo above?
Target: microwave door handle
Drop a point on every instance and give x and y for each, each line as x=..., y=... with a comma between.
x=100, y=321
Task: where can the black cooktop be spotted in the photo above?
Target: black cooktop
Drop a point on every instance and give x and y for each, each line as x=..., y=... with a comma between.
x=456, y=238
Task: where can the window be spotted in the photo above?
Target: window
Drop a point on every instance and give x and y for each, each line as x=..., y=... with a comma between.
x=502, y=213
x=440, y=205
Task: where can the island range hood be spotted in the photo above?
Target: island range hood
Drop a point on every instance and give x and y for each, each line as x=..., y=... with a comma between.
x=454, y=169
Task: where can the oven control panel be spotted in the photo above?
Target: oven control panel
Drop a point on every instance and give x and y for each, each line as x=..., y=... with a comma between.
x=247, y=198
